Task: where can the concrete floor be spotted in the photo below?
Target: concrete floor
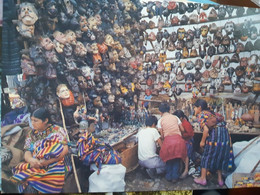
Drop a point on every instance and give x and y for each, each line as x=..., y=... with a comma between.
x=138, y=180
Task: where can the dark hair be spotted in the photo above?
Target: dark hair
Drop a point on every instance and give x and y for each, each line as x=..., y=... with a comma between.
x=164, y=107
x=201, y=103
x=42, y=113
x=180, y=114
x=151, y=120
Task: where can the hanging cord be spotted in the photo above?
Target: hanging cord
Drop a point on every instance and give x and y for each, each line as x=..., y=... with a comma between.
x=72, y=157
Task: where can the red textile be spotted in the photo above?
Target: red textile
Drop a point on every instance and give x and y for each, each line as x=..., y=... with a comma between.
x=173, y=147
x=188, y=130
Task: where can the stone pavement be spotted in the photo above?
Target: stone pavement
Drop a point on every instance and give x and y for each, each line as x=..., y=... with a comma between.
x=138, y=180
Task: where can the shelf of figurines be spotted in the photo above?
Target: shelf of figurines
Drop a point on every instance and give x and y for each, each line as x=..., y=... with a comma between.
x=234, y=128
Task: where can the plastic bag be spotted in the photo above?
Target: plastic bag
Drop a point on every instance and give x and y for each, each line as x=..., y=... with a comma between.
x=110, y=179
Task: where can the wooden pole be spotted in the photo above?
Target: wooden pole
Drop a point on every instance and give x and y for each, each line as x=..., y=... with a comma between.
x=247, y=146
x=72, y=157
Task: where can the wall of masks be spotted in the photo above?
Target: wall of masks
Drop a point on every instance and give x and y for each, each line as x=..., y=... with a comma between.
x=202, y=48
x=115, y=51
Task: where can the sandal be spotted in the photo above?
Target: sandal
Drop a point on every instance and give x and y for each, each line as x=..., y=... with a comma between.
x=221, y=183
x=200, y=182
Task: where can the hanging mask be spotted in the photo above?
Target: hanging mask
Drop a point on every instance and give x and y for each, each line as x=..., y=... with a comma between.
x=185, y=52
x=198, y=64
x=191, y=7
x=175, y=21
x=28, y=15
x=211, y=51
x=189, y=65
x=193, y=19
x=160, y=23
x=172, y=7
x=202, y=53
x=168, y=67
x=221, y=12
x=203, y=17
x=182, y=8
x=240, y=47
x=184, y=20
x=87, y=72
x=226, y=40
x=240, y=71
x=178, y=56
x=212, y=14
x=173, y=37
x=253, y=33
x=235, y=58
x=230, y=71
x=229, y=27
x=196, y=43
x=257, y=44
x=208, y=64
x=189, y=78
x=47, y=43
x=197, y=32
x=249, y=46
x=181, y=33
x=27, y=65
x=193, y=53
x=159, y=36
x=244, y=62
x=225, y=61
x=204, y=30
x=80, y=50
x=37, y=55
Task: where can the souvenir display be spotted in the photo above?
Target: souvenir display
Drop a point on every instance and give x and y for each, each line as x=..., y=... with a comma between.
x=120, y=58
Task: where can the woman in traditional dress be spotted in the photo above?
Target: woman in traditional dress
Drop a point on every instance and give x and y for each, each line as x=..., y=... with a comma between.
x=217, y=154
x=45, y=148
x=173, y=151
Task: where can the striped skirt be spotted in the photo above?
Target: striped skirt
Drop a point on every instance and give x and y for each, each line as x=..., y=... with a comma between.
x=218, y=152
x=50, y=180
x=45, y=180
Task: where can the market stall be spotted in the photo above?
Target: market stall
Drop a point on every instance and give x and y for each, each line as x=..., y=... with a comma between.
x=117, y=60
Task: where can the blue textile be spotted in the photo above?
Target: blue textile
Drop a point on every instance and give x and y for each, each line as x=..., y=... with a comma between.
x=173, y=169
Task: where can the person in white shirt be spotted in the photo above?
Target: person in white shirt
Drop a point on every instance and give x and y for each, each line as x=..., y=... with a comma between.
x=148, y=139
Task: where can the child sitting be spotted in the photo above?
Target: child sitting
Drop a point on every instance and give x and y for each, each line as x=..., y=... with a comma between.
x=148, y=138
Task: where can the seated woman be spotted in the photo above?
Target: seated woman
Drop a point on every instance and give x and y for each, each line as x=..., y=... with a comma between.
x=93, y=151
x=43, y=169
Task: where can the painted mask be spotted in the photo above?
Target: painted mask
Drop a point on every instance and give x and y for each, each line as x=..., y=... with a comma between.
x=204, y=30
x=92, y=23
x=51, y=56
x=47, y=43
x=63, y=92
x=87, y=72
x=80, y=50
x=27, y=14
x=71, y=37
x=109, y=41
x=181, y=33
x=229, y=27
x=83, y=23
